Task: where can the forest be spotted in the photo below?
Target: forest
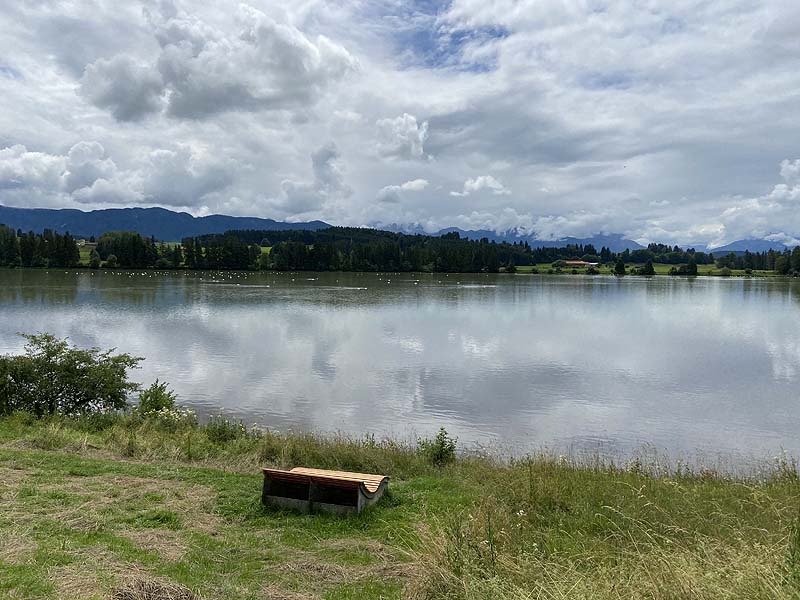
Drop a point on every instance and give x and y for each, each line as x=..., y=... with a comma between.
x=353, y=249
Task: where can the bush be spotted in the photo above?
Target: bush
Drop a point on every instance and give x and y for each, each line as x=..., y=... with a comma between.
x=54, y=378
x=439, y=451
x=220, y=430
x=155, y=398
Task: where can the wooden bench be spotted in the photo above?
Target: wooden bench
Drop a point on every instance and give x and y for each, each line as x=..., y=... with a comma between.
x=316, y=489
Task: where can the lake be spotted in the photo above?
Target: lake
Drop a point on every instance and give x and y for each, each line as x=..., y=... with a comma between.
x=687, y=368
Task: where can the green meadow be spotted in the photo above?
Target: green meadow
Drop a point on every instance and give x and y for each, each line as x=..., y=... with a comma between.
x=144, y=508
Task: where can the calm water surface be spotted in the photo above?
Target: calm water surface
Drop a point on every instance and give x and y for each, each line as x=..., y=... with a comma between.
x=709, y=366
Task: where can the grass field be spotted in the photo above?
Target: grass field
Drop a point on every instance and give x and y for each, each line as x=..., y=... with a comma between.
x=138, y=509
x=86, y=251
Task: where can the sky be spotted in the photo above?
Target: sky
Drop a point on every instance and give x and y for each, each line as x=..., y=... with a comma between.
x=676, y=122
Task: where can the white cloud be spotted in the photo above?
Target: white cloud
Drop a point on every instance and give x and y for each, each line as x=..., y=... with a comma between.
x=327, y=185
x=181, y=177
x=415, y=185
x=87, y=175
x=483, y=182
x=20, y=168
x=394, y=193
x=774, y=216
x=790, y=170
x=202, y=71
x=86, y=163
x=660, y=121
x=129, y=89
x=402, y=136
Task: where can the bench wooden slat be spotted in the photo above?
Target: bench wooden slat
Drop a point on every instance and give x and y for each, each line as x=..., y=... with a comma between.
x=370, y=482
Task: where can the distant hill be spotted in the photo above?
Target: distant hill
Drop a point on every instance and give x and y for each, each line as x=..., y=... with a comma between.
x=614, y=242
x=163, y=224
x=740, y=246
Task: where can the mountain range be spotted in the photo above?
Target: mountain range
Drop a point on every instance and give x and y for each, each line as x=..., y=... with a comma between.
x=752, y=245
x=167, y=225
x=163, y=224
x=614, y=242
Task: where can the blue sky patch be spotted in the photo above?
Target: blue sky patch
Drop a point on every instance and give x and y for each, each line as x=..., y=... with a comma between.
x=9, y=72
x=422, y=40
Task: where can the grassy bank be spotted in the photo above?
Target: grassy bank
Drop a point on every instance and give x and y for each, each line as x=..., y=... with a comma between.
x=127, y=507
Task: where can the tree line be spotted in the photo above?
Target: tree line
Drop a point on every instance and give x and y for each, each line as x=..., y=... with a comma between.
x=46, y=249
x=783, y=263
x=356, y=249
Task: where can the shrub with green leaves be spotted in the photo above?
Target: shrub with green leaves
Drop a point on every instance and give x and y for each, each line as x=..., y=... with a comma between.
x=439, y=451
x=220, y=430
x=52, y=377
x=157, y=397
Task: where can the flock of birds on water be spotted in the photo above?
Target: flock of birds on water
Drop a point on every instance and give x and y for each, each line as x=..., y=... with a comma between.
x=228, y=277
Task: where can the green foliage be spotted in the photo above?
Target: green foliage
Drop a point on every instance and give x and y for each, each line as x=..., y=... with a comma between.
x=94, y=259
x=111, y=262
x=129, y=248
x=648, y=270
x=689, y=269
x=155, y=398
x=439, y=451
x=223, y=252
x=52, y=377
x=619, y=267
x=9, y=247
x=220, y=430
x=38, y=250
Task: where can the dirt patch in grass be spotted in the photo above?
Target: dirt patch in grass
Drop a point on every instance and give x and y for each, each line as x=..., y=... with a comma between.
x=384, y=562
x=326, y=574
x=151, y=589
x=75, y=582
x=273, y=592
x=90, y=576
x=318, y=571
x=374, y=548
x=10, y=479
x=168, y=544
x=15, y=546
x=85, y=503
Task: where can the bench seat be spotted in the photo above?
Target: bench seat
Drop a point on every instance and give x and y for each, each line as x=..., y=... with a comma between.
x=307, y=490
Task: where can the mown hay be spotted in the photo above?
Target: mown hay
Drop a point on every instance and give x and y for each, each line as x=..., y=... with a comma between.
x=152, y=589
